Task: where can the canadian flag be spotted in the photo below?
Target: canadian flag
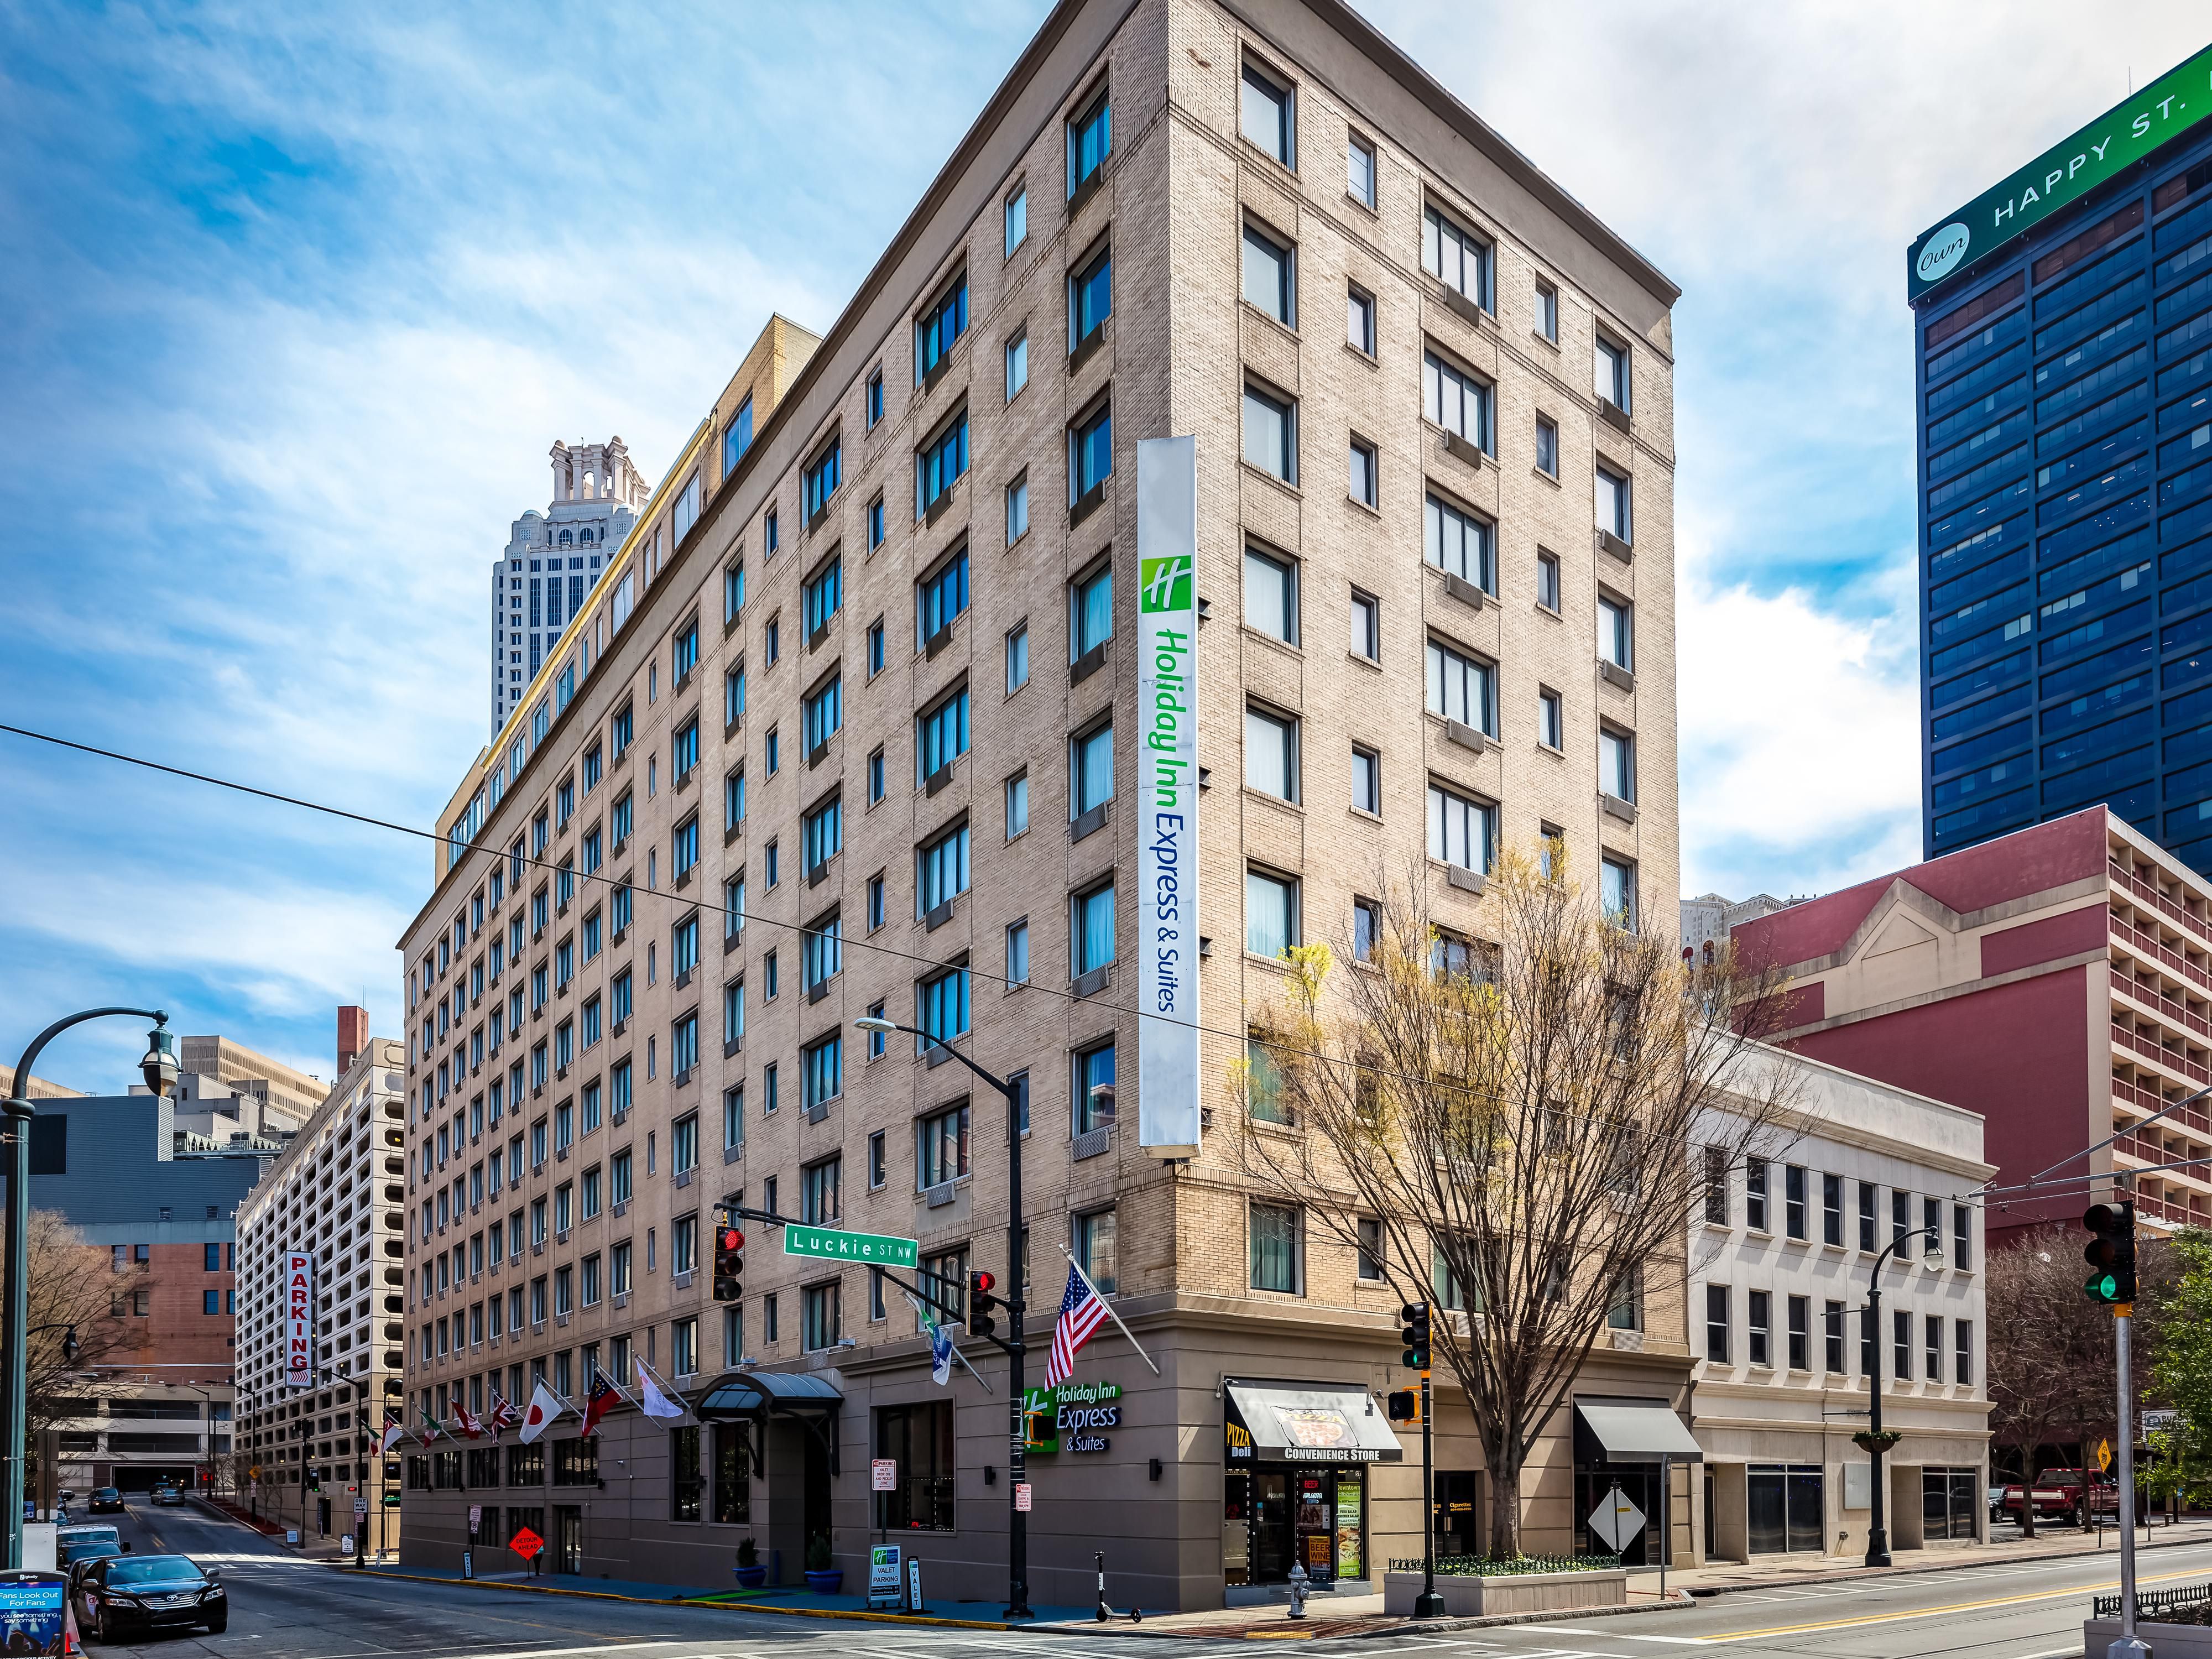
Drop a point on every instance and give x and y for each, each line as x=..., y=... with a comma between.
x=544, y=1407
x=470, y=1426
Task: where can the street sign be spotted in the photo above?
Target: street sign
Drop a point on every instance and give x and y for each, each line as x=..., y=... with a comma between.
x=2156, y=1421
x=361, y=1506
x=1022, y=1496
x=882, y=1474
x=476, y=1516
x=253, y=1473
x=1616, y=1519
x=913, y=1603
x=526, y=1544
x=837, y=1245
x=2104, y=1455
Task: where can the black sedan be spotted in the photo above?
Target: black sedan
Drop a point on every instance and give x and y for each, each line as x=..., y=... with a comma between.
x=106, y=1500
x=128, y=1594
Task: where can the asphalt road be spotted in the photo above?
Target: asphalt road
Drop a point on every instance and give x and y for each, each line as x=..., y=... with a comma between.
x=285, y=1608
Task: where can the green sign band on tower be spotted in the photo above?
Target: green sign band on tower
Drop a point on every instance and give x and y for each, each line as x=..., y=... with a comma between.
x=2164, y=109
x=835, y=1245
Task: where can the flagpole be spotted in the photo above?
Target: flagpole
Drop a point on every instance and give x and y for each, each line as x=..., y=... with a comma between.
x=955, y=1347
x=1109, y=1306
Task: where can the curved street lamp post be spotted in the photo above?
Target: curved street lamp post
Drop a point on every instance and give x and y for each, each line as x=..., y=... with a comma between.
x=160, y=1069
x=1873, y=1443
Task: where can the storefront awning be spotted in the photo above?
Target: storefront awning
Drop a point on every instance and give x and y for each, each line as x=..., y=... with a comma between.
x=760, y=1393
x=1637, y=1431
x=1288, y=1423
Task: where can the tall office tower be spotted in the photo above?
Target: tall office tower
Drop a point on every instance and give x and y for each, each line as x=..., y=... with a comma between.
x=554, y=558
x=2064, y=341
x=855, y=726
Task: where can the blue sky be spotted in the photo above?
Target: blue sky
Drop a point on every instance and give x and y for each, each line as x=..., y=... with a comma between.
x=299, y=298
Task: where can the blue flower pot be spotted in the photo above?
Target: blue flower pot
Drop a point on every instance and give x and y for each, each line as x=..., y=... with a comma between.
x=827, y=1582
x=751, y=1578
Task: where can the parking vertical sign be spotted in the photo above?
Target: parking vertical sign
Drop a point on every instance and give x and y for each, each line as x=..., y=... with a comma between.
x=299, y=1319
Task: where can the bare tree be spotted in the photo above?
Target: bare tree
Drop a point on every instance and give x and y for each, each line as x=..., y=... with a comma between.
x=1528, y=1122
x=71, y=1291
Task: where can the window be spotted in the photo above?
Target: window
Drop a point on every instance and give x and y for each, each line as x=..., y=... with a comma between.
x=1616, y=763
x=1548, y=311
x=822, y=951
x=1754, y=1194
x=1093, y=1087
x=1613, y=516
x=684, y=846
x=1962, y=1334
x=1547, y=446
x=1263, y=115
x=1610, y=364
x=1270, y=595
x=738, y=438
x=1793, y=1201
x=1617, y=892
x=876, y=914
x=1800, y=1333
x=1268, y=276
x=1271, y=914
x=1089, y=297
x=1456, y=400
x=1615, y=631
x=1018, y=658
x=1458, y=259
x=1625, y=1309
x=1366, y=780
x=1359, y=170
x=685, y=512
x=1758, y=1320
x=1091, y=613
x=940, y=596
x=872, y=399
x=1274, y=1230
x=941, y=1147
x=941, y=736
x=1091, y=453
x=1271, y=761
x=1459, y=544
x=1018, y=364
x=1716, y=1323
x=1461, y=688
x=1017, y=218
x=1366, y=928
x=1867, y=1202
x=941, y=870
x=1932, y=1326
x=771, y=537
x=876, y=522
x=824, y=1072
x=941, y=1007
x=1360, y=481
x=1832, y=1331
x=1461, y=831
x=940, y=463
x=875, y=775
x=1547, y=580
x=1017, y=509
x=825, y=596
x=1268, y=444
x=1091, y=771
x=823, y=713
x=1090, y=142
x=1366, y=626
x=1017, y=953
x=1359, y=320
x=1962, y=1240
x=940, y=328
x=822, y=477
x=821, y=1192
x=1094, y=930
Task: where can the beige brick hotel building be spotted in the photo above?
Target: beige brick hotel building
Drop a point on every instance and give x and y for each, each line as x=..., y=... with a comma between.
x=837, y=733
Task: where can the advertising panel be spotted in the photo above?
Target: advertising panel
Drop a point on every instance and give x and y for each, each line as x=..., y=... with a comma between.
x=299, y=1319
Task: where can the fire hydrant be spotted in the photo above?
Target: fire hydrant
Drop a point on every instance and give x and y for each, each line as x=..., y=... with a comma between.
x=1298, y=1589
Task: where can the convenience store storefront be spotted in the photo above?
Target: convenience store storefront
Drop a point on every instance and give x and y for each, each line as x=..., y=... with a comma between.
x=1295, y=1489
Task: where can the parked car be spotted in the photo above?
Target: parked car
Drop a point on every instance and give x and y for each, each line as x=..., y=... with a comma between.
x=1997, y=1496
x=86, y=1532
x=2067, y=1494
x=76, y=1556
x=106, y=1500
x=168, y=1494
x=129, y=1594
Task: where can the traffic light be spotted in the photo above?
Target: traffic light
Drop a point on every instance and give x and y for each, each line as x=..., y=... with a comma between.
x=981, y=1302
x=729, y=1264
x=1405, y=1406
x=2111, y=1253
x=1415, y=1335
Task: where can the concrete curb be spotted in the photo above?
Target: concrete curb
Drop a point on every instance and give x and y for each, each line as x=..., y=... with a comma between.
x=1846, y=1575
x=1338, y=1629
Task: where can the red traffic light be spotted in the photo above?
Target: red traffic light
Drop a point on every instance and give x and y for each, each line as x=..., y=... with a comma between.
x=982, y=1281
x=732, y=1239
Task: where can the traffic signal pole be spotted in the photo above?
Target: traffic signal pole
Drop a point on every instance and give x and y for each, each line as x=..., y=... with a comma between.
x=2129, y=1645
x=1428, y=1604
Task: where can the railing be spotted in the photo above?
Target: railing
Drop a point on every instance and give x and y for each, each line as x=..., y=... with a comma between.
x=2149, y=894
x=2147, y=1044
x=2172, y=1008
x=2143, y=941
x=2151, y=1603
x=2152, y=1101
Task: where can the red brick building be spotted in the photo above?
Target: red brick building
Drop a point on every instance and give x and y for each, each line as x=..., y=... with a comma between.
x=2058, y=981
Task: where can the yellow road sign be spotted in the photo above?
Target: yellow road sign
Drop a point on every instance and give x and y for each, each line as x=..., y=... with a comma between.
x=2104, y=1455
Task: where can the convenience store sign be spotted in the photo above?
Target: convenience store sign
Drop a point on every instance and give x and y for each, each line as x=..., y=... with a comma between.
x=2062, y=175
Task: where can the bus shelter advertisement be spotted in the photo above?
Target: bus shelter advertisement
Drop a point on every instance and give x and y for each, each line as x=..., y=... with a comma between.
x=34, y=1615
x=1167, y=791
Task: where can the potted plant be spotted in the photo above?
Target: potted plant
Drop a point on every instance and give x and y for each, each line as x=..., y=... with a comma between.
x=750, y=1572
x=1870, y=1443
x=822, y=1576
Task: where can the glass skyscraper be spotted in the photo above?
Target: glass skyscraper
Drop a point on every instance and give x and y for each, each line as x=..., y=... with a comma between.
x=2063, y=330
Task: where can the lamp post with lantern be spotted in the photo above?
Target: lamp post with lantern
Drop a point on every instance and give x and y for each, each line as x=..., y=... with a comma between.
x=1874, y=1442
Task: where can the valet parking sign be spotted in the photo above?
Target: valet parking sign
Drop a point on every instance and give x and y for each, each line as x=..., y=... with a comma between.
x=299, y=1319
x=1167, y=789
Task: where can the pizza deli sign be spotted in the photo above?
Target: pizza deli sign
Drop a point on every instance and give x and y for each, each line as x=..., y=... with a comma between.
x=299, y=1319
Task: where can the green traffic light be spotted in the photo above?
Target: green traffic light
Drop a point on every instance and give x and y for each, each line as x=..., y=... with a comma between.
x=2102, y=1287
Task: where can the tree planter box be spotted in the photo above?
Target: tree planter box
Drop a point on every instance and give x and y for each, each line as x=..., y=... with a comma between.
x=2166, y=1641
x=1469, y=1596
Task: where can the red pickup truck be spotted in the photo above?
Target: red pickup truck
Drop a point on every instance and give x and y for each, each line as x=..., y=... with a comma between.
x=2057, y=1495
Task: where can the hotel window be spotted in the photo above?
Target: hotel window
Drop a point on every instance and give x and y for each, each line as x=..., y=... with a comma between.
x=941, y=1147
x=1091, y=613
x=1612, y=505
x=771, y=537
x=821, y=1309
x=823, y=713
x=940, y=463
x=822, y=951
x=1551, y=719
x=1366, y=928
x=940, y=596
x=1616, y=634
x=1267, y=280
x=1617, y=892
x=1018, y=364
x=1610, y=366
x=1461, y=831
x=1461, y=688
x=1459, y=544
x=823, y=475
x=941, y=1007
x=1616, y=763
x=1017, y=952
x=876, y=914
x=941, y=735
x=1359, y=170
x=1359, y=320
x=1090, y=298
x=1263, y=115
x=824, y=1072
x=1366, y=780
x=941, y=870
x=1270, y=443
x=1018, y=658
x=1457, y=257
x=876, y=522
x=875, y=775
x=738, y=437
x=1548, y=311
x=1090, y=453
x=1456, y=400
x=1016, y=215
x=824, y=595
x=1094, y=930
x=1360, y=481
x=1271, y=914
x=1547, y=446
x=1275, y=1247
x=1366, y=626
x=821, y=1192
x=940, y=328
x=1090, y=770
x=1271, y=589
x=1271, y=759
x=1090, y=142
x=872, y=398
x=1017, y=509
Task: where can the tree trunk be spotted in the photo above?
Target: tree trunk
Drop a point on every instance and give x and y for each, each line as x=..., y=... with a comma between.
x=1504, y=1504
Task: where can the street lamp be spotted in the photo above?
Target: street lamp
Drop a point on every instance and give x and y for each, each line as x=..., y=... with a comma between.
x=1018, y=1536
x=1874, y=1441
x=159, y=1068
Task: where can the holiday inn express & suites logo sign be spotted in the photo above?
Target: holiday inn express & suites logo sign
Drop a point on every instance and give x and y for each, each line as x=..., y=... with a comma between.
x=2064, y=174
x=1164, y=584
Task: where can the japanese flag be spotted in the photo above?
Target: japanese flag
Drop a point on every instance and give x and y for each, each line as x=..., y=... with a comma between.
x=544, y=1407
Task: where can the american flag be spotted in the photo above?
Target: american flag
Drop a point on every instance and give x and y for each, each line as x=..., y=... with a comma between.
x=1082, y=1311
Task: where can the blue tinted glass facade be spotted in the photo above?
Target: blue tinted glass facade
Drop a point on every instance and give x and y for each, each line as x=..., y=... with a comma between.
x=2065, y=424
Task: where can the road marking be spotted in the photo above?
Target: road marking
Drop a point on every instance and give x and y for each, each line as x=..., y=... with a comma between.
x=1937, y=1612
x=1625, y=1635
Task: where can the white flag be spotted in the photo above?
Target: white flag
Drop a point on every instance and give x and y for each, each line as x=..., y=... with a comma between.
x=544, y=1407
x=655, y=1398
